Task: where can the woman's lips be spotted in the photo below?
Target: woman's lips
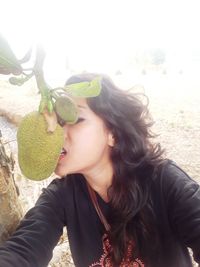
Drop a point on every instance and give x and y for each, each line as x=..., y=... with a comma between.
x=61, y=157
x=63, y=153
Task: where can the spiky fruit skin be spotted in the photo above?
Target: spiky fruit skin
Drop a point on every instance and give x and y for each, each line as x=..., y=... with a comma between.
x=38, y=150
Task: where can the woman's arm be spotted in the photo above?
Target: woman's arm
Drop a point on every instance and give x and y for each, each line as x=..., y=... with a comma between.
x=183, y=200
x=38, y=233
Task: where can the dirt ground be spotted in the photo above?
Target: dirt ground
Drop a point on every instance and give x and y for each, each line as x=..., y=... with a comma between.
x=174, y=105
x=176, y=112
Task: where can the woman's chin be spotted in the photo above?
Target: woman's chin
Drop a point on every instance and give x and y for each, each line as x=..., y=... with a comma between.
x=59, y=172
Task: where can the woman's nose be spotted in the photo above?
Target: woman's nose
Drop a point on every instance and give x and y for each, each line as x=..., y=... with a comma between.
x=65, y=129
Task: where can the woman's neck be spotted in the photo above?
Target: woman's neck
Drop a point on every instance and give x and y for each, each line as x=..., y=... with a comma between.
x=100, y=179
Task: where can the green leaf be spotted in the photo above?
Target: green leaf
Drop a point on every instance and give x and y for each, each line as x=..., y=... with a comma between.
x=16, y=81
x=84, y=89
x=66, y=109
x=8, y=61
x=20, y=80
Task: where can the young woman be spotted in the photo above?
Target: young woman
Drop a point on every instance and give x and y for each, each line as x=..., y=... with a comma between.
x=122, y=202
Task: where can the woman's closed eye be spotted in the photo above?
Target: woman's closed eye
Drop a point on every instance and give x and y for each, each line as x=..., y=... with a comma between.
x=62, y=122
x=79, y=120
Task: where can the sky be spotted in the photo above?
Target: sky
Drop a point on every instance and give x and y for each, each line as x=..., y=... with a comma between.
x=99, y=35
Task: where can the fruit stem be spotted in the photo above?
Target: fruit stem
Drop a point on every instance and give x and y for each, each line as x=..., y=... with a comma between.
x=38, y=71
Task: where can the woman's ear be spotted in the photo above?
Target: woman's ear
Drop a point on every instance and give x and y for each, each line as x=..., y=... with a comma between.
x=111, y=139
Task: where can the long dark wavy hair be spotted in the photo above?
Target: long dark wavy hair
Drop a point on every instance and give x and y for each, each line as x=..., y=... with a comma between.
x=135, y=159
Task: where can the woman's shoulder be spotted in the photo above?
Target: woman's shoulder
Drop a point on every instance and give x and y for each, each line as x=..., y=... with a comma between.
x=171, y=178
x=171, y=171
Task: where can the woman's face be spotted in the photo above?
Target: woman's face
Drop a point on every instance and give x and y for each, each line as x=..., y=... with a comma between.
x=87, y=143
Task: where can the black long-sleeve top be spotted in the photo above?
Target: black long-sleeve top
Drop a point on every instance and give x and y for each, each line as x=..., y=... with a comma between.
x=66, y=202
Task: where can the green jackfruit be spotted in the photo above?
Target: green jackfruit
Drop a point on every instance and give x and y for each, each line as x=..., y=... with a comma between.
x=66, y=109
x=38, y=150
